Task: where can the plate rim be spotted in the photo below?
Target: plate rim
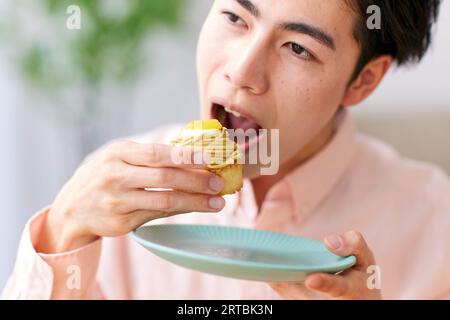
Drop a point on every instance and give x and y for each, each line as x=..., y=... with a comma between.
x=345, y=263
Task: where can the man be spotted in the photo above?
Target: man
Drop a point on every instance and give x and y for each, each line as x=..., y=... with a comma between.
x=292, y=65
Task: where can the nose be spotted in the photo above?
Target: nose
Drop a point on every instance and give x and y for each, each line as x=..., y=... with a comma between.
x=247, y=67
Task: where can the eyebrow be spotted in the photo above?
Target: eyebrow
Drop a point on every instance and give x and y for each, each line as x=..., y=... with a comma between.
x=311, y=31
x=303, y=28
x=249, y=6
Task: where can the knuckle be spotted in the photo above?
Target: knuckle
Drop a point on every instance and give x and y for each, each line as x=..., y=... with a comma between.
x=357, y=239
x=110, y=179
x=152, y=154
x=356, y=234
x=164, y=202
x=112, y=150
x=198, y=202
x=201, y=185
x=178, y=155
x=120, y=145
x=112, y=204
x=163, y=176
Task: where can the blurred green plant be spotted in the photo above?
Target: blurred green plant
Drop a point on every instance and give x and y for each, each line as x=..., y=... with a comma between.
x=109, y=50
x=107, y=47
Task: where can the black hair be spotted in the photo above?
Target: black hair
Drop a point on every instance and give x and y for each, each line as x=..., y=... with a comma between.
x=405, y=33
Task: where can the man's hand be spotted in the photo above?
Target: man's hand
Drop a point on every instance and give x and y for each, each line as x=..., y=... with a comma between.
x=350, y=284
x=125, y=185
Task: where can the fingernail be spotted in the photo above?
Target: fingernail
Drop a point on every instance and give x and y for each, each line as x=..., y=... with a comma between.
x=216, y=184
x=334, y=241
x=201, y=158
x=216, y=203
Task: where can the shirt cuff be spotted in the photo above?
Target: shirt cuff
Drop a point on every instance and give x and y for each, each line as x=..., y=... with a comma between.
x=68, y=275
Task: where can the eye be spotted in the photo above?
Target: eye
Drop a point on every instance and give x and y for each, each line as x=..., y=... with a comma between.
x=300, y=51
x=234, y=19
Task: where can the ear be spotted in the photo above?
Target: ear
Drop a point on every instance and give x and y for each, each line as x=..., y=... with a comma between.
x=367, y=81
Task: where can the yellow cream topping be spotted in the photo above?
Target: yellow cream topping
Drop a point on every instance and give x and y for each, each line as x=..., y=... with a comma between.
x=212, y=137
x=212, y=124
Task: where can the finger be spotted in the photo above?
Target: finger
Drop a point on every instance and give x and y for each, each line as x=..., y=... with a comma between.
x=139, y=217
x=172, y=202
x=351, y=243
x=333, y=286
x=293, y=291
x=194, y=181
x=159, y=155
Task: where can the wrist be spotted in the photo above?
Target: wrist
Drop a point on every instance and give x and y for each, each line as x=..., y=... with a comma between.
x=60, y=234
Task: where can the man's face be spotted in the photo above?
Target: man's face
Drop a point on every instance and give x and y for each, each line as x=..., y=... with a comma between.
x=281, y=64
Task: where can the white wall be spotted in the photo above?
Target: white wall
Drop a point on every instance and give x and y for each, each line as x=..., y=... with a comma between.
x=10, y=222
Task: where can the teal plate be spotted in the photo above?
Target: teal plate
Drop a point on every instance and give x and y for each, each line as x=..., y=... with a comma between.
x=240, y=253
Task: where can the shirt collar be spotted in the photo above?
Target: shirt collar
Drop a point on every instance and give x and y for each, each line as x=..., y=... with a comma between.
x=313, y=180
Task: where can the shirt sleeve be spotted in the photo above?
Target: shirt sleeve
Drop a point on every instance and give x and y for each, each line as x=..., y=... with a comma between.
x=69, y=275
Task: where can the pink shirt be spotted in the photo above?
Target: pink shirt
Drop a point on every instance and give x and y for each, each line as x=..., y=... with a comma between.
x=402, y=207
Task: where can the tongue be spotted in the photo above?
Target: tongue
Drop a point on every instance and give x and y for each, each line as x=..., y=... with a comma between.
x=242, y=123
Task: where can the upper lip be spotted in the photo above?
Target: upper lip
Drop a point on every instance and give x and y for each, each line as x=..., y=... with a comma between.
x=232, y=107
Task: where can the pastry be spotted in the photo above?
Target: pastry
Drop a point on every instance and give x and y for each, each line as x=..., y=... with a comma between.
x=223, y=152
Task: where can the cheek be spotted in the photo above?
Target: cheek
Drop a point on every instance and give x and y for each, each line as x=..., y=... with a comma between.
x=304, y=108
x=203, y=49
x=309, y=98
x=210, y=46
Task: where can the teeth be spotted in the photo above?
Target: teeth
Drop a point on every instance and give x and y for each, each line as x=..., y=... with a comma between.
x=235, y=113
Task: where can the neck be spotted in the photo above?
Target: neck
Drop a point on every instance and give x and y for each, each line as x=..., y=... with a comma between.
x=262, y=184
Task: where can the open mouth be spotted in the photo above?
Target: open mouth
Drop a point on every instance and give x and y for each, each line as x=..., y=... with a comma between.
x=234, y=121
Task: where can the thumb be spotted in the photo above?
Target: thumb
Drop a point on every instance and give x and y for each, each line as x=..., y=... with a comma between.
x=351, y=243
